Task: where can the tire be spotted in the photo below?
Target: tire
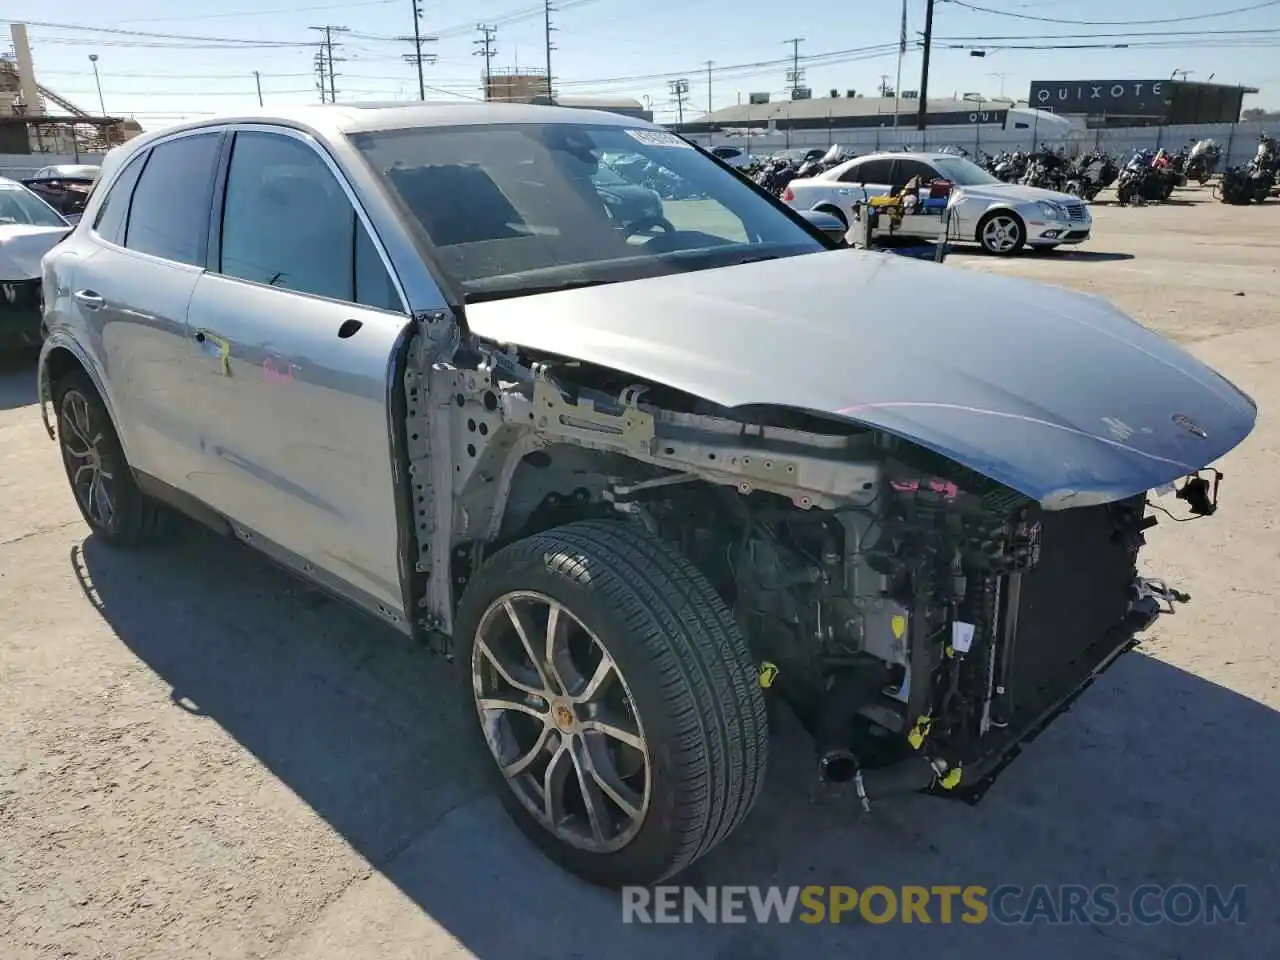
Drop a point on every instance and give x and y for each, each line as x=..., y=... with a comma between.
x=87, y=437
x=1009, y=241
x=680, y=664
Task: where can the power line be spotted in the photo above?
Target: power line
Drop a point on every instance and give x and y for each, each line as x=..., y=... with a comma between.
x=237, y=14
x=487, y=50
x=116, y=31
x=1116, y=23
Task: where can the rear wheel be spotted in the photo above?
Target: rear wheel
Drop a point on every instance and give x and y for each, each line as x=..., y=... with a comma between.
x=100, y=477
x=1002, y=233
x=617, y=700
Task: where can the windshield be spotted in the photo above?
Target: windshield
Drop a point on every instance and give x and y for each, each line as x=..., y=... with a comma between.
x=18, y=205
x=962, y=172
x=514, y=209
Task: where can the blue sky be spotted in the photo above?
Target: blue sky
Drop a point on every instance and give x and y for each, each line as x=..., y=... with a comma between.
x=629, y=47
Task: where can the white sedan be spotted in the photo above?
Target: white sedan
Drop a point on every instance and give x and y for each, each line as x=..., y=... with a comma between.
x=1002, y=217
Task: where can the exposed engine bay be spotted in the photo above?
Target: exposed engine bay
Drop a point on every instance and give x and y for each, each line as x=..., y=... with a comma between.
x=920, y=619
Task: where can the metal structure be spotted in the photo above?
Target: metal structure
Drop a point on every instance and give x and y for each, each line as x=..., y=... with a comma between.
x=515, y=86
x=487, y=50
x=418, y=58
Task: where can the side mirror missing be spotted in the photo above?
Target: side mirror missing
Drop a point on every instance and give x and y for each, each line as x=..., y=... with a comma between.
x=831, y=225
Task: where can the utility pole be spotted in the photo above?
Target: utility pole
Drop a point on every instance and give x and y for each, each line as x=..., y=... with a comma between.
x=1000, y=77
x=922, y=118
x=322, y=70
x=884, y=84
x=679, y=90
x=710, y=64
x=796, y=74
x=488, y=34
x=257, y=79
x=329, y=59
x=547, y=10
x=418, y=57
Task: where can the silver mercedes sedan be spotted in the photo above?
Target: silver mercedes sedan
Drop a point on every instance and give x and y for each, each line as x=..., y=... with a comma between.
x=632, y=470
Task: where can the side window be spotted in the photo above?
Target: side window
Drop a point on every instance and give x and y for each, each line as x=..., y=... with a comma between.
x=871, y=171
x=912, y=168
x=169, y=216
x=109, y=224
x=287, y=223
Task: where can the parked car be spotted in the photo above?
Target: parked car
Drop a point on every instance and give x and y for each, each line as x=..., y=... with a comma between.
x=735, y=157
x=29, y=228
x=1001, y=217
x=628, y=483
x=65, y=187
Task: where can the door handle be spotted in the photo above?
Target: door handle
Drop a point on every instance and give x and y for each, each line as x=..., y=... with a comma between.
x=203, y=337
x=90, y=300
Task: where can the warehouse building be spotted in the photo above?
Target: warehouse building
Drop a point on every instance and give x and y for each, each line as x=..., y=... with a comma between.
x=1140, y=103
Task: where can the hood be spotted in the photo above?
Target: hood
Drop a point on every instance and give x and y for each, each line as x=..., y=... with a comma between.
x=1055, y=394
x=1016, y=193
x=22, y=247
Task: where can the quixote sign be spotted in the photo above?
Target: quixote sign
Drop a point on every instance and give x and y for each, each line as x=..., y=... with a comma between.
x=1098, y=97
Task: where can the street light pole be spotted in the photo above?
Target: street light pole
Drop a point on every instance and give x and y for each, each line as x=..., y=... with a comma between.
x=93, y=58
x=257, y=79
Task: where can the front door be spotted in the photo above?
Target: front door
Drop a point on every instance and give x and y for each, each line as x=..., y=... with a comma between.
x=291, y=334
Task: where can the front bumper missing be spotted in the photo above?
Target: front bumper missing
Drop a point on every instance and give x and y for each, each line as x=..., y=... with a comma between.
x=969, y=777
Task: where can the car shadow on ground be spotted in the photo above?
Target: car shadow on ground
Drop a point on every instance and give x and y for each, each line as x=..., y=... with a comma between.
x=1084, y=256
x=1154, y=776
x=17, y=378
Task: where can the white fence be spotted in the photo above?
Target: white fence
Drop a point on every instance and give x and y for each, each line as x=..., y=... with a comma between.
x=1239, y=141
x=19, y=165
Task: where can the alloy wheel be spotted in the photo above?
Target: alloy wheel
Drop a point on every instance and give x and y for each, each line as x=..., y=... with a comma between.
x=561, y=722
x=92, y=478
x=1001, y=234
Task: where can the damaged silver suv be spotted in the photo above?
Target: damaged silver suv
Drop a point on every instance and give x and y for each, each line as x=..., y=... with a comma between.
x=633, y=462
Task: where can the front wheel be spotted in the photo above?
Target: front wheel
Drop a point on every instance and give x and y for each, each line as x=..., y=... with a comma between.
x=1002, y=233
x=616, y=697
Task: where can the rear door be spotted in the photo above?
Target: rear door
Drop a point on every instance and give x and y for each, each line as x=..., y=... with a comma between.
x=875, y=175
x=290, y=338
x=132, y=290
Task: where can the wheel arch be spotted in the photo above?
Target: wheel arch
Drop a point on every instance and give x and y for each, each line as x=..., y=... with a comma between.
x=991, y=211
x=830, y=206
x=59, y=356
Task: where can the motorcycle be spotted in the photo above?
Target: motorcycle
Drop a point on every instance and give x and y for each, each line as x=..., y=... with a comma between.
x=1146, y=178
x=1047, y=169
x=1091, y=174
x=1252, y=182
x=1203, y=161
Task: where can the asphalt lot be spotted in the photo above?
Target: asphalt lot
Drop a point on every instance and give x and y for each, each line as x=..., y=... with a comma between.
x=201, y=758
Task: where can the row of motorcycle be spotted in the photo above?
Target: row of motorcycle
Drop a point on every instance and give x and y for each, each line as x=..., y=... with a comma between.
x=1148, y=176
